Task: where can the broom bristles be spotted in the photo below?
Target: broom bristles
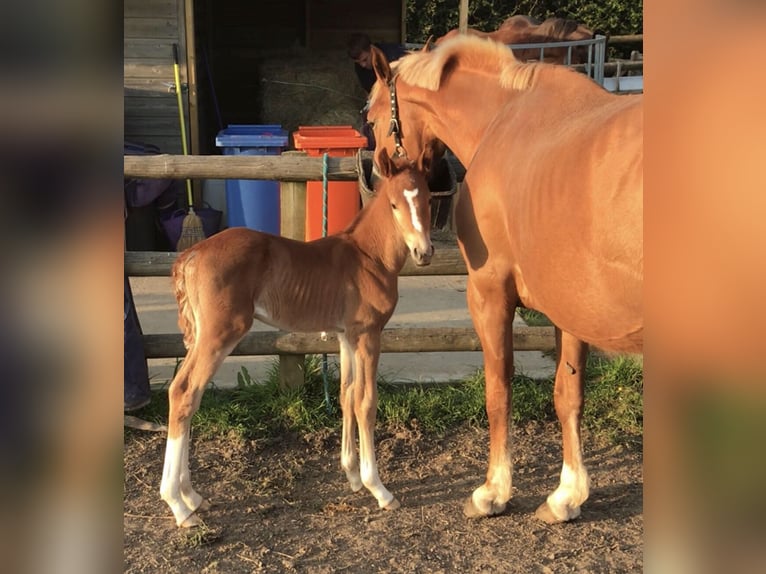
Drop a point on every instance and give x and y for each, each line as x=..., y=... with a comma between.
x=191, y=231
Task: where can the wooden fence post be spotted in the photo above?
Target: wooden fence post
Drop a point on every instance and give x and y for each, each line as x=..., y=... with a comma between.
x=292, y=225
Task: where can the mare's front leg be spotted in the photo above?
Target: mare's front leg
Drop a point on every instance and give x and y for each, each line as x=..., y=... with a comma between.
x=574, y=486
x=365, y=408
x=492, y=303
x=348, y=459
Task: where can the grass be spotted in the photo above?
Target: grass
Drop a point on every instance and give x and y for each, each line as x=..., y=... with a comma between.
x=533, y=318
x=613, y=404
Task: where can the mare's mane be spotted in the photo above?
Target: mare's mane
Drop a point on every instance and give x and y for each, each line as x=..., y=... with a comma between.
x=426, y=69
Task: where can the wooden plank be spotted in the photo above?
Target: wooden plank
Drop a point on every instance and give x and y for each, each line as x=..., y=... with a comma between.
x=147, y=48
x=189, y=65
x=153, y=125
x=399, y=340
x=463, y=16
x=150, y=106
x=149, y=8
x=150, y=28
x=447, y=260
x=148, y=68
x=625, y=39
x=291, y=374
x=293, y=210
x=283, y=168
x=171, y=144
x=149, y=87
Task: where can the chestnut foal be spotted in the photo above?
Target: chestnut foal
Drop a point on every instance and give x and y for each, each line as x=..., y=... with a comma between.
x=346, y=283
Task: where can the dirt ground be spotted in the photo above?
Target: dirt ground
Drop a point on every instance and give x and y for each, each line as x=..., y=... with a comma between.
x=283, y=505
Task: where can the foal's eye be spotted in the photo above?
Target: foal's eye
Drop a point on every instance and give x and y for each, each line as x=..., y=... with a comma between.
x=393, y=206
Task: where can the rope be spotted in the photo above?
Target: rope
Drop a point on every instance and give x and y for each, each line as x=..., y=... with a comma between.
x=325, y=382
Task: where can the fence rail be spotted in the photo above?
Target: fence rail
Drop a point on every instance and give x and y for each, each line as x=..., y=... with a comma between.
x=294, y=170
x=395, y=340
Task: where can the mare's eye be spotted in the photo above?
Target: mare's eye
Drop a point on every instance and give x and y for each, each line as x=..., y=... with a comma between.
x=371, y=123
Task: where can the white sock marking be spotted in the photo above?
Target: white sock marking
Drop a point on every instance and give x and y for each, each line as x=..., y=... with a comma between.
x=410, y=195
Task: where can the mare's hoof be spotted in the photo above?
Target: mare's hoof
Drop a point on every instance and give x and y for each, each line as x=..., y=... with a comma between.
x=546, y=514
x=393, y=505
x=472, y=511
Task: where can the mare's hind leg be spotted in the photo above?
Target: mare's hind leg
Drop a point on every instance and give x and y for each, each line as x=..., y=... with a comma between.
x=492, y=303
x=564, y=503
x=348, y=459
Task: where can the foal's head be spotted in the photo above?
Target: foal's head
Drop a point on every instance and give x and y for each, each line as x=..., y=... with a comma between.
x=403, y=184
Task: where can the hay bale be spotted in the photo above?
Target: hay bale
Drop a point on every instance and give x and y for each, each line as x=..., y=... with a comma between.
x=304, y=89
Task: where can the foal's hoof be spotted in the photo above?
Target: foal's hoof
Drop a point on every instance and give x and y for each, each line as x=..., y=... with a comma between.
x=545, y=513
x=205, y=505
x=472, y=511
x=393, y=505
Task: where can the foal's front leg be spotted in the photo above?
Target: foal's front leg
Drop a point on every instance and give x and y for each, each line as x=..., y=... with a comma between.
x=574, y=486
x=365, y=407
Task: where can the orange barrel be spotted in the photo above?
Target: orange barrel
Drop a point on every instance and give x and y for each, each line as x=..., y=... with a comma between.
x=343, y=199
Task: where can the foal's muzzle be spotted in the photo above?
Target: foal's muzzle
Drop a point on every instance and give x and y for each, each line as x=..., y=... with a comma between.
x=422, y=257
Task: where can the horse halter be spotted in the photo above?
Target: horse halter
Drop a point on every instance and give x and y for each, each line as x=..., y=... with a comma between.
x=394, y=128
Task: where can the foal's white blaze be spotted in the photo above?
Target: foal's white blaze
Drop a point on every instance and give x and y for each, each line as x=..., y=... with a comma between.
x=410, y=195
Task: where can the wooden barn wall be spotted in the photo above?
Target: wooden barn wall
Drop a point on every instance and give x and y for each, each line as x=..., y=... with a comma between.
x=151, y=110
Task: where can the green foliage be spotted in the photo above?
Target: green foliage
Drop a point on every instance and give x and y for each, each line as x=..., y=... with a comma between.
x=613, y=403
x=534, y=318
x=614, y=397
x=436, y=17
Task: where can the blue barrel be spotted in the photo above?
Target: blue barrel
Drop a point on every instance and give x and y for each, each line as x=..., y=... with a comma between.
x=253, y=203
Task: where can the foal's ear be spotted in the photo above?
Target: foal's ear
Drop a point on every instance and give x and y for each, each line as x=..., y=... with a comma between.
x=384, y=162
x=380, y=64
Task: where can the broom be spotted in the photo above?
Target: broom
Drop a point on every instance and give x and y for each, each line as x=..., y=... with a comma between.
x=191, y=229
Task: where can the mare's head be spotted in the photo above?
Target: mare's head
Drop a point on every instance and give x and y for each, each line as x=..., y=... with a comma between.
x=401, y=131
x=406, y=94
x=402, y=183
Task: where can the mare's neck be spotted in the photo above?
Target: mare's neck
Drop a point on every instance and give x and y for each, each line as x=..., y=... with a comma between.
x=462, y=131
x=375, y=234
x=464, y=89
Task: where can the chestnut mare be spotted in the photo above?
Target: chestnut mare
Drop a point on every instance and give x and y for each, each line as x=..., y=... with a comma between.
x=526, y=30
x=549, y=216
x=345, y=283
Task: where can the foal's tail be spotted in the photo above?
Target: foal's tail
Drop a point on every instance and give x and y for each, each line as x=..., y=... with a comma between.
x=186, y=317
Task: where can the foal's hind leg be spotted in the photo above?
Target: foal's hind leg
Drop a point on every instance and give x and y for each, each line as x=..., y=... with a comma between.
x=348, y=459
x=184, y=395
x=564, y=503
x=492, y=303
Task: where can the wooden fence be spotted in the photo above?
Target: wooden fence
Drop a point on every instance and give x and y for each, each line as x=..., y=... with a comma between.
x=293, y=169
